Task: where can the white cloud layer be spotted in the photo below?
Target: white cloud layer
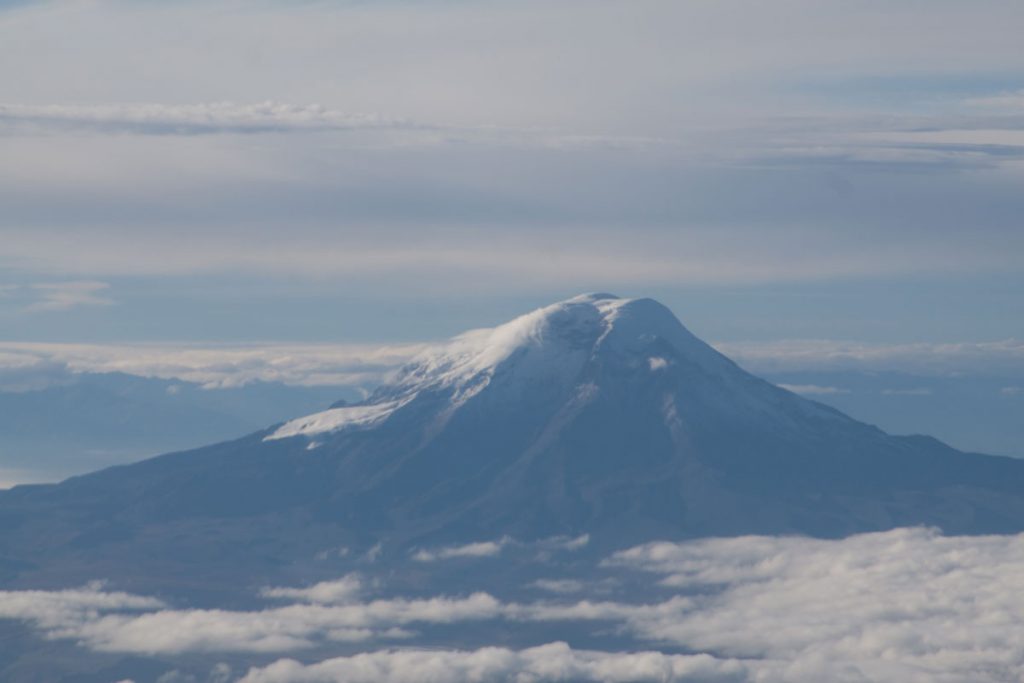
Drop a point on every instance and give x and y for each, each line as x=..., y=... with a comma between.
x=99, y=620
x=907, y=605
x=1006, y=356
x=29, y=365
x=551, y=662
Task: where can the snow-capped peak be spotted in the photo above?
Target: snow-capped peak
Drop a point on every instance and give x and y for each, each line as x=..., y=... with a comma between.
x=551, y=331
x=548, y=346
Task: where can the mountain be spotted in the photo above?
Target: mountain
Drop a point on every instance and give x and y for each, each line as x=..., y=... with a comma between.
x=596, y=415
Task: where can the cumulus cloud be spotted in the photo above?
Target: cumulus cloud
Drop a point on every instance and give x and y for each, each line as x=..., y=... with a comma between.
x=342, y=590
x=551, y=662
x=62, y=613
x=903, y=605
x=100, y=621
x=479, y=549
x=545, y=546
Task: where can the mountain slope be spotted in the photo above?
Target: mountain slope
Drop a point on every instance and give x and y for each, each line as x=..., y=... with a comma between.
x=596, y=415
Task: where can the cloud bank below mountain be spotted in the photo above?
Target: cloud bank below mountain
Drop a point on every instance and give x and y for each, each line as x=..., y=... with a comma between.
x=903, y=605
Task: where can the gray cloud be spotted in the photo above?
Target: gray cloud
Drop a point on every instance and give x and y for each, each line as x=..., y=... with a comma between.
x=579, y=163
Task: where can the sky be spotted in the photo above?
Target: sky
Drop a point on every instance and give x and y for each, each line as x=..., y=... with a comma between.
x=393, y=172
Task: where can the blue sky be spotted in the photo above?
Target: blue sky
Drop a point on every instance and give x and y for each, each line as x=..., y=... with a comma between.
x=392, y=171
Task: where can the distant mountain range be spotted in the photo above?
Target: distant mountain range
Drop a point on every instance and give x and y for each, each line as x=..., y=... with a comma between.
x=978, y=412
x=87, y=421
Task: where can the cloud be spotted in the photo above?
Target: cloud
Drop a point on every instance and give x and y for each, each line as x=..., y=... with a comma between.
x=829, y=194
x=61, y=613
x=63, y=296
x=270, y=117
x=1011, y=391
x=570, y=585
x=21, y=372
x=189, y=119
x=656, y=364
x=907, y=604
x=813, y=389
x=569, y=543
x=545, y=546
x=551, y=662
x=480, y=549
x=99, y=620
x=31, y=364
x=1006, y=356
x=902, y=605
x=559, y=585
x=342, y=590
